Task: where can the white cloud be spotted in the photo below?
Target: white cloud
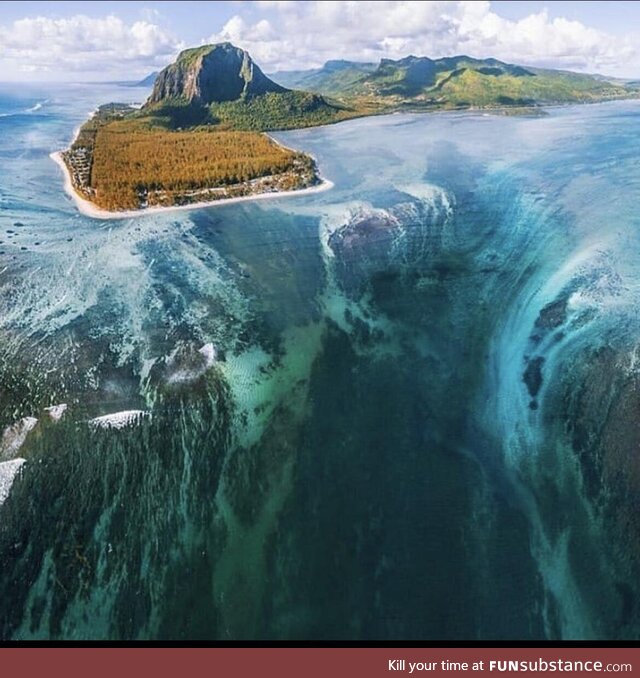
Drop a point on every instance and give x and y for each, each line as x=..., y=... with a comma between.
x=81, y=43
x=305, y=34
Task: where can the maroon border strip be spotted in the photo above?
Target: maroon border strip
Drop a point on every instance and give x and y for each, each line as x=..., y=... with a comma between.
x=298, y=662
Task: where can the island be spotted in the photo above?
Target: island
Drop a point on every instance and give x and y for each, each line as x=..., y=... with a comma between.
x=202, y=135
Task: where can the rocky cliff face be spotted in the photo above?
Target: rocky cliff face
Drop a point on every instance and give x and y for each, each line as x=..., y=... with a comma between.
x=212, y=73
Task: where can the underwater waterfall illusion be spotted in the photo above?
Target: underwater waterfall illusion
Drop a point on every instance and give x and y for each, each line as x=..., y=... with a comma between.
x=405, y=408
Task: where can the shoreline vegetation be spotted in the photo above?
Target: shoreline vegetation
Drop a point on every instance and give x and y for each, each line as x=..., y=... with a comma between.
x=234, y=166
x=89, y=208
x=201, y=138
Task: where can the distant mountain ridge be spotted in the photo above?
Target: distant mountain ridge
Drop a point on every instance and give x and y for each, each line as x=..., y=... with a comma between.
x=456, y=81
x=148, y=80
x=334, y=78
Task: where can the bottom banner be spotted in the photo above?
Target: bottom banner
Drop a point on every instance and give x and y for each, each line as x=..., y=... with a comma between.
x=283, y=662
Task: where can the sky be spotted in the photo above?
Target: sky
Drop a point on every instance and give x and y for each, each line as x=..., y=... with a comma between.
x=89, y=41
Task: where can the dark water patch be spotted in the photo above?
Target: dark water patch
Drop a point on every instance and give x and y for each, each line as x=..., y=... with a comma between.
x=552, y=315
x=275, y=257
x=378, y=574
x=532, y=375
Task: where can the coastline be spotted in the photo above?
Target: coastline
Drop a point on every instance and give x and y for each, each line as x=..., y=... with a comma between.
x=87, y=208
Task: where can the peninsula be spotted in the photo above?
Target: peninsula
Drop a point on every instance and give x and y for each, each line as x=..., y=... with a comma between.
x=201, y=136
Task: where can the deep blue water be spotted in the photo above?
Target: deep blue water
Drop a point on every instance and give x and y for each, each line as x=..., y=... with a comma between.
x=421, y=420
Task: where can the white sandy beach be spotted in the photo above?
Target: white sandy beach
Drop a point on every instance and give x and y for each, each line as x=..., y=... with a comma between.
x=87, y=208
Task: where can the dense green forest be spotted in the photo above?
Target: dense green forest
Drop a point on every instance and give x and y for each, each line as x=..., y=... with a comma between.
x=273, y=111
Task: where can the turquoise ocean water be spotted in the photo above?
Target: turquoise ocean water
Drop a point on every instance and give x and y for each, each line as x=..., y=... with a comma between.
x=404, y=408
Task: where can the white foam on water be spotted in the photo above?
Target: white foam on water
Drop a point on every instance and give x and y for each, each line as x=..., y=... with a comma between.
x=206, y=358
x=14, y=436
x=119, y=420
x=33, y=109
x=429, y=193
x=37, y=106
x=56, y=412
x=579, y=261
x=8, y=472
x=335, y=217
x=209, y=353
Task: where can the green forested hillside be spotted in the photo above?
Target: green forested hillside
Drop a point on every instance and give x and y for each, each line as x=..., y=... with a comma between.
x=458, y=81
x=272, y=111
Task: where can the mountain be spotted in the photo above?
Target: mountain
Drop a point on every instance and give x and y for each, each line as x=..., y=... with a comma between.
x=334, y=78
x=452, y=82
x=212, y=74
x=436, y=80
x=221, y=84
x=148, y=81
